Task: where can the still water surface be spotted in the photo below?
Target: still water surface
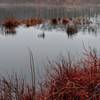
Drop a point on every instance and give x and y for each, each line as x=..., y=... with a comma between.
x=14, y=54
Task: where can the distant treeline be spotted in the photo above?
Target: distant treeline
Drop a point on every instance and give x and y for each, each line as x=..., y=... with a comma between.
x=58, y=2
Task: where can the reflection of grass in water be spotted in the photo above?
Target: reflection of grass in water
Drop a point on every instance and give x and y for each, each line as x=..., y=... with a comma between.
x=10, y=31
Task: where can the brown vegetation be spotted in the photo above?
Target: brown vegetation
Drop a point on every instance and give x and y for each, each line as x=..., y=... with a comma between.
x=11, y=23
x=71, y=30
x=73, y=81
x=32, y=22
x=65, y=21
x=54, y=21
x=66, y=80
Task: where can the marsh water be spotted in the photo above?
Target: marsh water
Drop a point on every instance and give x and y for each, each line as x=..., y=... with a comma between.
x=14, y=47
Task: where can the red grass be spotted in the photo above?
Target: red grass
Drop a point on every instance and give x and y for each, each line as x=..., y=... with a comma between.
x=73, y=81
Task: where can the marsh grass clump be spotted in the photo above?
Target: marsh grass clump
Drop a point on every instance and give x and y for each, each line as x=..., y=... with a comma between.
x=73, y=81
x=32, y=22
x=11, y=23
x=57, y=21
x=65, y=21
x=54, y=21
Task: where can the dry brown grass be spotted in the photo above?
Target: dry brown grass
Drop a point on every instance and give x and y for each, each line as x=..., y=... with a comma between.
x=32, y=22
x=11, y=22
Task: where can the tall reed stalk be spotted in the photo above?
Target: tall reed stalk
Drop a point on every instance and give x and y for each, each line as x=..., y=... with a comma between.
x=32, y=67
